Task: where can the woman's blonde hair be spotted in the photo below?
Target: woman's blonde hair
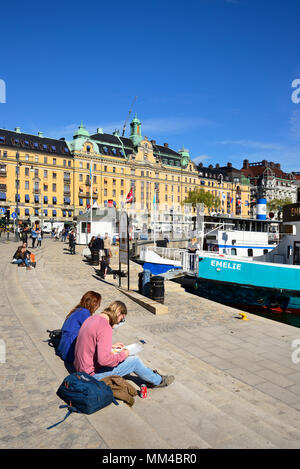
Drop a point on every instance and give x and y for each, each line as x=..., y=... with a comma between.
x=91, y=300
x=113, y=311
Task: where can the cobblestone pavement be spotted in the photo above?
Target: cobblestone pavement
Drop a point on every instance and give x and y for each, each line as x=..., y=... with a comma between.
x=236, y=385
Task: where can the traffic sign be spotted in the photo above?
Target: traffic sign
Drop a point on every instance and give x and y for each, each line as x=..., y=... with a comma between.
x=2, y=211
x=14, y=215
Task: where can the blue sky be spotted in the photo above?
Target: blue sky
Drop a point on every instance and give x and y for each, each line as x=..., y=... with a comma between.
x=212, y=75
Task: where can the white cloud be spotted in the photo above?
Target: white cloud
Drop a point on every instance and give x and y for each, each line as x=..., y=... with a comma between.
x=201, y=158
x=253, y=144
x=150, y=126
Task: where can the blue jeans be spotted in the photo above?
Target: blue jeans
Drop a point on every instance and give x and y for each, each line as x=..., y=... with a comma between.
x=131, y=365
x=20, y=261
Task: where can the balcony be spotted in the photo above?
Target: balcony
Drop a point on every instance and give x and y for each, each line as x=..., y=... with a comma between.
x=84, y=195
x=3, y=173
x=36, y=191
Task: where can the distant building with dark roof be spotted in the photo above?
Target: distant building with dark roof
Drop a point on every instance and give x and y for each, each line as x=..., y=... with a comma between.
x=269, y=181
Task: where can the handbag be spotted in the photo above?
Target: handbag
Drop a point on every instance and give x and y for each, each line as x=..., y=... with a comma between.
x=54, y=338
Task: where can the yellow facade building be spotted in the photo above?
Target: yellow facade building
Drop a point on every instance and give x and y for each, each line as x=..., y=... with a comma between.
x=57, y=180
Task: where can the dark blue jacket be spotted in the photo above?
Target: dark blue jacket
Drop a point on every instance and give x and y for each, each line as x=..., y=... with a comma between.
x=70, y=330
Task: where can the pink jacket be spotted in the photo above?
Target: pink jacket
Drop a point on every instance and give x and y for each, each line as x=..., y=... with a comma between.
x=93, y=346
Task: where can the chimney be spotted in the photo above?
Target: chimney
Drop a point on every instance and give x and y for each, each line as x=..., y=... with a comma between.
x=211, y=166
x=200, y=165
x=153, y=142
x=245, y=164
x=166, y=145
x=229, y=165
x=264, y=163
x=99, y=130
x=278, y=165
x=217, y=166
x=40, y=134
x=271, y=164
x=18, y=130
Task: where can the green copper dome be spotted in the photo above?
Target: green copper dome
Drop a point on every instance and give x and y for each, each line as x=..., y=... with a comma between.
x=81, y=132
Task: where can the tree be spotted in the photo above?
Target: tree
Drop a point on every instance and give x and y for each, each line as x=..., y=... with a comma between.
x=200, y=196
x=276, y=205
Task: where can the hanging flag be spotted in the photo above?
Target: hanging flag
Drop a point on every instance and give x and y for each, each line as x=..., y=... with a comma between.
x=154, y=198
x=246, y=203
x=223, y=196
x=129, y=197
x=239, y=201
x=231, y=201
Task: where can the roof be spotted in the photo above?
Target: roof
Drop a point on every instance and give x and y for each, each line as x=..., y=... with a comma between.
x=21, y=141
x=257, y=170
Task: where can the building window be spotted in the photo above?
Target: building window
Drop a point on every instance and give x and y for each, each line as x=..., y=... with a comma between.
x=80, y=177
x=26, y=171
x=45, y=160
x=54, y=161
x=45, y=173
x=53, y=187
x=26, y=184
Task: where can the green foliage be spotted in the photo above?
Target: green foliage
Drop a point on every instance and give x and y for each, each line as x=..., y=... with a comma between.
x=277, y=204
x=200, y=196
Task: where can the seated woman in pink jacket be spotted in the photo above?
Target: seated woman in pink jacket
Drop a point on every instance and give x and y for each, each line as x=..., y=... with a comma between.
x=93, y=350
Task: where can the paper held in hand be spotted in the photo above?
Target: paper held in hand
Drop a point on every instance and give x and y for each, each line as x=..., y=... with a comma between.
x=133, y=349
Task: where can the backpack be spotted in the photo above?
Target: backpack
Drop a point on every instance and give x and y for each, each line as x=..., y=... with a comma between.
x=84, y=394
x=54, y=338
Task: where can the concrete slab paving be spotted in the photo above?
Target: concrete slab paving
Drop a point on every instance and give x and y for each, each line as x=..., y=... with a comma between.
x=235, y=383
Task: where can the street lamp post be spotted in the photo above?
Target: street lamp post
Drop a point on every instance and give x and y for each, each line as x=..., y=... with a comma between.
x=17, y=196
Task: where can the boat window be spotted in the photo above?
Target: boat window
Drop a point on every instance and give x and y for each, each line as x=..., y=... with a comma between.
x=289, y=251
x=297, y=253
x=250, y=252
x=266, y=251
x=233, y=251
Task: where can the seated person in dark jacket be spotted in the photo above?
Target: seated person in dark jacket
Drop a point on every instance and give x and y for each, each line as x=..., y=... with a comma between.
x=22, y=255
x=104, y=266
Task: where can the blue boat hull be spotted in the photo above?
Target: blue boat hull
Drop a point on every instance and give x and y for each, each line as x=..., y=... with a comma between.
x=259, y=285
x=238, y=296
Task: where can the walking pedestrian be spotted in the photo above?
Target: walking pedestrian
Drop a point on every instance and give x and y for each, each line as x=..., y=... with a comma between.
x=33, y=236
x=39, y=238
x=107, y=245
x=72, y=242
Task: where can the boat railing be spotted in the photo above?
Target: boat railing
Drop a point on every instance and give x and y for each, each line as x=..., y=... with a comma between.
x=174, y=254
x=190, y=262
